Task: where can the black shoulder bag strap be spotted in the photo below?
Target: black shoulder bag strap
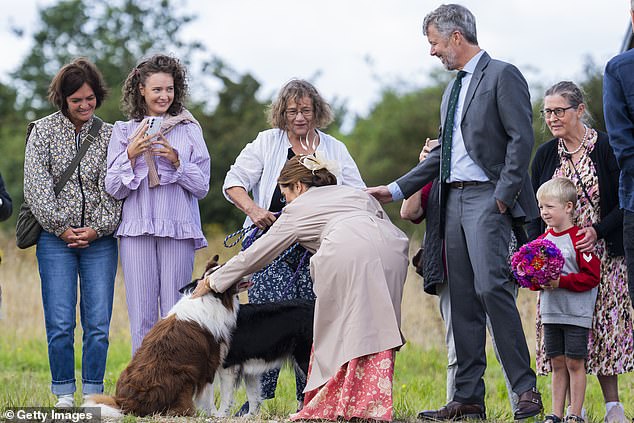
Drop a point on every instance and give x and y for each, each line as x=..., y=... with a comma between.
x=583, y=186
x=90, y=138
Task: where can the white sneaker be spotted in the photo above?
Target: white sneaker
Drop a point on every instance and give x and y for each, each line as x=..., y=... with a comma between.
x=616, y=415
x=65, y=401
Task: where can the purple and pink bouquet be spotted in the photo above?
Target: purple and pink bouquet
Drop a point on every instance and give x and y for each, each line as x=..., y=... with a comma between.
x=537, y=263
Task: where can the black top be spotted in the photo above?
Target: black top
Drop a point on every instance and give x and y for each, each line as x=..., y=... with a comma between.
x=610, y=227
x=277, y=202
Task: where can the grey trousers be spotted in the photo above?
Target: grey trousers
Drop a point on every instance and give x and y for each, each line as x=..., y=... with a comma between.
x=452, y=362
x=477, y=237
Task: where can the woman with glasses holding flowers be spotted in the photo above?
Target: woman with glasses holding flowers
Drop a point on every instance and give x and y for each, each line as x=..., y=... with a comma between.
x=582, y=154
x=296, y=117
x=359, y=268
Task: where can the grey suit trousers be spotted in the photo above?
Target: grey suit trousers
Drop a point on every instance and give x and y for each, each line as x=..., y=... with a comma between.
x=476, y=246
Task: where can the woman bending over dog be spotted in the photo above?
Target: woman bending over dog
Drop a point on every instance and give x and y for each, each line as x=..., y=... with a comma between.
x=358, y=269
x=296, y=117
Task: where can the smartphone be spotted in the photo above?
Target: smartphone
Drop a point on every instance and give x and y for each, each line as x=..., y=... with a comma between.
x=154, y=125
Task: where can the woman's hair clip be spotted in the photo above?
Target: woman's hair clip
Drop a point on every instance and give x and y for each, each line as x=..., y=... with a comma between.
x=318, y=161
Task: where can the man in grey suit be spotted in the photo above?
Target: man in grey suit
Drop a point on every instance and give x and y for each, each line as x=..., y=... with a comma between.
x=487, y=134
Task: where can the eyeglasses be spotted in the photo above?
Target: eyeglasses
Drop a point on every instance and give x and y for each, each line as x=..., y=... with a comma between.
x=292, y=113
x=558, y=111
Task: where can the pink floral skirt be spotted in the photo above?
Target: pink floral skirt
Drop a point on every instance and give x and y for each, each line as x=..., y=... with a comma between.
x=362, y=388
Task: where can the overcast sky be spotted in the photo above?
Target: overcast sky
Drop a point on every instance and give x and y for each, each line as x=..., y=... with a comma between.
x=355, y=46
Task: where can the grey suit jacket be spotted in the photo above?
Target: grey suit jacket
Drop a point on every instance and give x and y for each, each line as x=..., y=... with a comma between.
x=498, y=135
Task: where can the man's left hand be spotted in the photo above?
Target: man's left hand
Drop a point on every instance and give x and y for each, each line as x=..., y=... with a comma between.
x=501, y=206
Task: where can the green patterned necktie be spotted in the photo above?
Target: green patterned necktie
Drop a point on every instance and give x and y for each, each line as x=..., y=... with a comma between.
x=447, y=130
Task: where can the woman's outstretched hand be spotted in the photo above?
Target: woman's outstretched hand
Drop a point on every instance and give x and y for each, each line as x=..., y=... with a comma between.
x=202, y=288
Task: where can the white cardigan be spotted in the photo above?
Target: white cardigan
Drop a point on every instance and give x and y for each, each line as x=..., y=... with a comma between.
x=260, y=162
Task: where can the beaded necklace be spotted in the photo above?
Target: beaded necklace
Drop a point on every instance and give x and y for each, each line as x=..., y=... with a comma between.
x=581, y=145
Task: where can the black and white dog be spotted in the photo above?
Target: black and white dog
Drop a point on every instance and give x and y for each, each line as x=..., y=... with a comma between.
x=265, y=336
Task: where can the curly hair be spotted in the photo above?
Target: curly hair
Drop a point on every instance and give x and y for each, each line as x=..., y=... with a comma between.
x=133, y=103
x=296, y=89
x=72, y=77
x=294, y=171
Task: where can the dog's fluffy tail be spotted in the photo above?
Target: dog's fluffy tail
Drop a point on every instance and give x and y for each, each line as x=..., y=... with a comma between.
x=107, y=404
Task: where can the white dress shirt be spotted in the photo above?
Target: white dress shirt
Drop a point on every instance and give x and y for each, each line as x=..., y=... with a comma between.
x=462, y=167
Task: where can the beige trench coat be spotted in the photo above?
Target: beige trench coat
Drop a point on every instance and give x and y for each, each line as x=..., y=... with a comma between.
x=358, y=268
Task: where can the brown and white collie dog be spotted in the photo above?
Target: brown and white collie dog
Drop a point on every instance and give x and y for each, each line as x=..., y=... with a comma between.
x=173, y=370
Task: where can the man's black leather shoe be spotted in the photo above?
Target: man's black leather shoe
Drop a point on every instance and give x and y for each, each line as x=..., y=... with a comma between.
x=454, y=410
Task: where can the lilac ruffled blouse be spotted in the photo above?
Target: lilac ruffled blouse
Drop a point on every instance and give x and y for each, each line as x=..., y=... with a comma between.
x=170, y=209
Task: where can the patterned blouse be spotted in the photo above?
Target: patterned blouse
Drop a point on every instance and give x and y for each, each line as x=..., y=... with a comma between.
x=83, y=202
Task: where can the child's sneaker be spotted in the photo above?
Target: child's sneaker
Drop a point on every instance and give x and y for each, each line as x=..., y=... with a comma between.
x=65, y=401
x=551, y=418
x=616, y=415
x=571, y=418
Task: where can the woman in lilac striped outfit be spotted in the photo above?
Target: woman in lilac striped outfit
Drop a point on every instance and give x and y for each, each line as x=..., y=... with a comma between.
x=161, y=177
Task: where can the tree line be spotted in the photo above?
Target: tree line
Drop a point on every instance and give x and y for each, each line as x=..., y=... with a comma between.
x=116, y=34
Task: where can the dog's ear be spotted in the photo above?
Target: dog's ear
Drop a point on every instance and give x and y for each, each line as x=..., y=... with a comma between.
x=211, y=263
x=189, y=288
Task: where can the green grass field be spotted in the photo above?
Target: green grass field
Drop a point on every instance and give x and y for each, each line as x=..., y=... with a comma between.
x=419, y=380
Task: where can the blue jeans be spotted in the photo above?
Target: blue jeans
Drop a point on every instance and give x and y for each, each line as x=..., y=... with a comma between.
x=59, y=268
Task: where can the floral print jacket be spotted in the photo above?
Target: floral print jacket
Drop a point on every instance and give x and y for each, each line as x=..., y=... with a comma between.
x=83, y=202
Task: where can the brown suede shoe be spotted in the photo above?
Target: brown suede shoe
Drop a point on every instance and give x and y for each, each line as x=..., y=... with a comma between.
x=529, y=404
x=454, y=410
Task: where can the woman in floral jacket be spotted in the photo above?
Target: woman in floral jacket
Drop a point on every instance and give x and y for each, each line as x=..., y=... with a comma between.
x=77, y=224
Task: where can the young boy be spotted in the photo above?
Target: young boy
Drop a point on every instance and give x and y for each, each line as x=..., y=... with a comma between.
x=567, y=303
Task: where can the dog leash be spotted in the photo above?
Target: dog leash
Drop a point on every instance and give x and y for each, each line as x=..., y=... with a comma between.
x=254, y=233
x=240, y=234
